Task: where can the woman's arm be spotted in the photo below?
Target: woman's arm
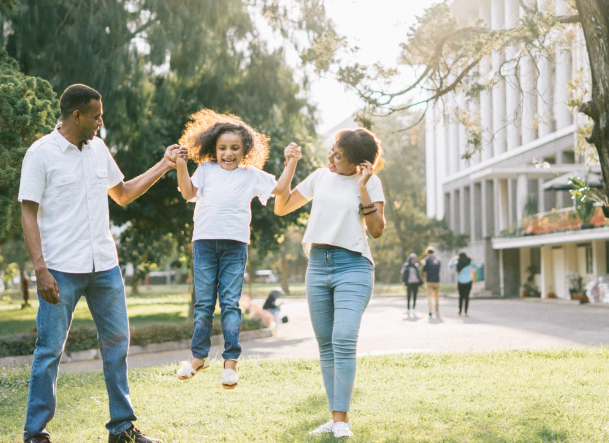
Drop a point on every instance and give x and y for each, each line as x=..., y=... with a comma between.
x=292, y=155
x=289, y=202
x=187, y=189
x=375, y=220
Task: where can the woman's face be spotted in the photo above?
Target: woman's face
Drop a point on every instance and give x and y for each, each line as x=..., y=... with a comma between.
x=229, y=150
x=412, y=260
x=338, y=163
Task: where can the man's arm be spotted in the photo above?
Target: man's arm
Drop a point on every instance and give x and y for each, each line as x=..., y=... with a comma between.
x=125, y=192
x=47, y=286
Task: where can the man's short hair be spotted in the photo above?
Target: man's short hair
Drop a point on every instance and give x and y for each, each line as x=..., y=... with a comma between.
x=76, y=97
x=430, y=250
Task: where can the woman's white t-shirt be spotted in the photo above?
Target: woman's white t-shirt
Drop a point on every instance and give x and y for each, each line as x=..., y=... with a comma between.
x=223, y=201
x=335, y=216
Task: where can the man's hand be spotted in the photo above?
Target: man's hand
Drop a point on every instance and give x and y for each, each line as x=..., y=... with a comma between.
x=47, y=286
x=171, y=155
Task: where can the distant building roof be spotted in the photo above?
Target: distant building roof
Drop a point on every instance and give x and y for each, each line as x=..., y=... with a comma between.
x=348, y=123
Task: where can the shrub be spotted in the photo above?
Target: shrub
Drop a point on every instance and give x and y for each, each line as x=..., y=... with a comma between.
x=83, y=339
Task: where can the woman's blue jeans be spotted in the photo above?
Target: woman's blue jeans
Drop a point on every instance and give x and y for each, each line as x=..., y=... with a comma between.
x=219, y=266
x=339, y=284
x=105, y=295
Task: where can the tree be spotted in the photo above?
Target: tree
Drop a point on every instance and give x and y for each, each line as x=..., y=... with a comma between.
x=157, y=62
x=444, y=56
x=29, y=109
x=408, y=229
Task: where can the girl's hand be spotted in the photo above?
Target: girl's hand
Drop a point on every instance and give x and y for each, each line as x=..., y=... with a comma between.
x=365, y=172
x=292, y=151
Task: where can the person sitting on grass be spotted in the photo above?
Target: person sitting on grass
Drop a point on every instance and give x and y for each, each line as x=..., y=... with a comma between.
x=271, y=305
x=230, y=155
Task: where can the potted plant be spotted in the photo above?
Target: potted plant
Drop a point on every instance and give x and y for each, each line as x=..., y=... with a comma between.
x=530, y=289
x=584, y=199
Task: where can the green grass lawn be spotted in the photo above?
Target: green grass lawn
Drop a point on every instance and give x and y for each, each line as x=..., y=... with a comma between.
x=520, y=396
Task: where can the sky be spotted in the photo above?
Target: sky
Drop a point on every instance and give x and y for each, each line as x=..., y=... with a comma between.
x=377, y=27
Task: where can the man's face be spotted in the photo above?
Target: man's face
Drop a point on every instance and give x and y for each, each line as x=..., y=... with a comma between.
x=89, y=120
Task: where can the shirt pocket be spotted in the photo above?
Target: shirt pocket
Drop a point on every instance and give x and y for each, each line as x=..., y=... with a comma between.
x=64, y=187
x=101, y=181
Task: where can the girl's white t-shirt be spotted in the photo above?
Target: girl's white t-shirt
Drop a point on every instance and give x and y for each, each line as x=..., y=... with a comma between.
x=223, y=201
x=335, y=216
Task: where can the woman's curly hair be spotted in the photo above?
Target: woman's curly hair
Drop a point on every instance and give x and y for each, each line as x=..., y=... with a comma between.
x=202, y=132
x=359, y=145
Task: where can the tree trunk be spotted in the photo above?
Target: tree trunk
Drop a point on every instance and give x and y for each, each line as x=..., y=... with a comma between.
x=134, y=284
x=595, y=23
x=285, y=273
x=396, y=219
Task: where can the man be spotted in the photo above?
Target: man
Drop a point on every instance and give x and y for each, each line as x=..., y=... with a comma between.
x=66, y=178
x=431, y=267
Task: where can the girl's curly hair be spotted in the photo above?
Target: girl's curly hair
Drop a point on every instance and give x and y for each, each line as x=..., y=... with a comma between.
x=202, y=132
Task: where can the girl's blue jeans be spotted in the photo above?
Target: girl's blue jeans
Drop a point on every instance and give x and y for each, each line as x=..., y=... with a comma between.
x=339, y=284
x=105, y=295
x=219, y=266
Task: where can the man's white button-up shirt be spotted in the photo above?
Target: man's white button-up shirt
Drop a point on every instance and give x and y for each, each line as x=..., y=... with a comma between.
x=71, y=187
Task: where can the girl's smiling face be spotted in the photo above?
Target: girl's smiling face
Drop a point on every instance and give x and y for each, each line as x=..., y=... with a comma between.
x=229, y=150
x=338, y=163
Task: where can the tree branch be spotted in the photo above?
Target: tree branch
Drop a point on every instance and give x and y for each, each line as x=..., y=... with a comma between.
x=566, y=19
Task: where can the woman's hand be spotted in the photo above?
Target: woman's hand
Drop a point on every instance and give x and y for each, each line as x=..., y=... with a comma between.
x=365, y=172
x=292, y=151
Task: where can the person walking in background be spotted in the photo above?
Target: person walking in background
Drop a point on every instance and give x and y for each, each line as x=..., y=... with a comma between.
x=412, y=280
x=465, y=269
x=431, y=267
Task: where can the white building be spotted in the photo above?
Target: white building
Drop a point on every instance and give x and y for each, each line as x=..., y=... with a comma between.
x=487, y=196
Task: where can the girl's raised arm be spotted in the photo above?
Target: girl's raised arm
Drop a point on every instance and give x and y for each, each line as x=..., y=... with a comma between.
x=187, y=189
x=286, y=200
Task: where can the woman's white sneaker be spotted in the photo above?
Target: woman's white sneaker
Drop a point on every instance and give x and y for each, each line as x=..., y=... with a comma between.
x=326, y=428
x=340, y=429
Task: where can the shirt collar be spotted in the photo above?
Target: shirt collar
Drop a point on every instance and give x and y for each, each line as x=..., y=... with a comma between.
x=64, y=143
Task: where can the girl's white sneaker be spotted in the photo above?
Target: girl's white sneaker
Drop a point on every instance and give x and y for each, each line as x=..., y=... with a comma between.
x=340, y=429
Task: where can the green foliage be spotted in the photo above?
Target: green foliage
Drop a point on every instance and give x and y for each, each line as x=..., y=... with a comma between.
x=157, y=62
x=83, y=339
x=584, y=198
x=29, y=109
x=554, y=396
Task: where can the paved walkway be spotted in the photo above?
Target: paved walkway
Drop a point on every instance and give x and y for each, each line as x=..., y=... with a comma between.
x=387, y=328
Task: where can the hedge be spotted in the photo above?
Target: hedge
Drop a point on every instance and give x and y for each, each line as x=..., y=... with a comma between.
x=83, y=339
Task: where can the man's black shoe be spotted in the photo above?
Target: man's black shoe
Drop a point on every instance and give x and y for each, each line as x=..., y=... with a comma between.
x=39, y=439
x=131, y=435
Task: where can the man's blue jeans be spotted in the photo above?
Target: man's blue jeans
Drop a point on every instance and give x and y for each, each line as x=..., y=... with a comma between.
x=105, y=295
x=219, y=266
x=339, y=284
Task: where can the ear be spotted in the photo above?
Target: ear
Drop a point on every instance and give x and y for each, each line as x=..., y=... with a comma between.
x=76, y=116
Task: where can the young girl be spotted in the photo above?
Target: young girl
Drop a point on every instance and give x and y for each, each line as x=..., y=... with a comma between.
x=230, y=155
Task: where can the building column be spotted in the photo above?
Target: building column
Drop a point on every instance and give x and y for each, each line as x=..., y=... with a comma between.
x=430, y=163
x=522, y=192
x=473, y=221
x=544, y=90
x=511, y=210
x=541, y=201
x=512, y=92
x=529, y=97
x=441, y=171
x=501, y=205
x=563, y=115
x=486, y=208
x=498, y=92
x=486, y=104
x=463, y=211
x=453, y=135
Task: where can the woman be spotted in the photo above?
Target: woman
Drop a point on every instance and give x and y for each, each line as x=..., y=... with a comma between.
x=347, y=199
x=465, y=267
x=411, y=279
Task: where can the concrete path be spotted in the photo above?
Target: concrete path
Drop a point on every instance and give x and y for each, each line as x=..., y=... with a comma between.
x=387, y=328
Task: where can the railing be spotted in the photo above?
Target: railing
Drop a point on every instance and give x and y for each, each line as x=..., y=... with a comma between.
x=556, y=220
